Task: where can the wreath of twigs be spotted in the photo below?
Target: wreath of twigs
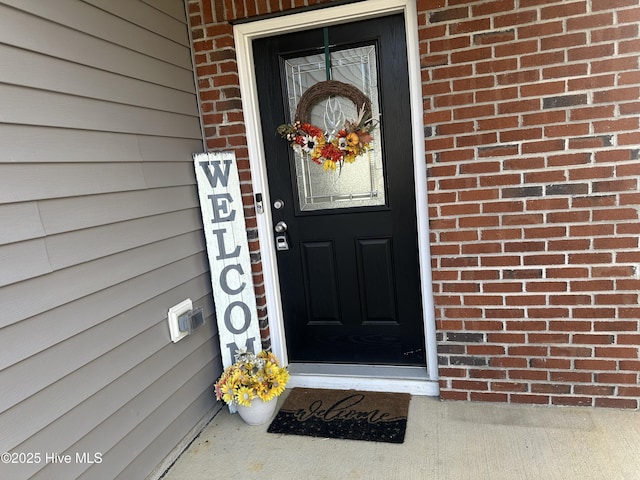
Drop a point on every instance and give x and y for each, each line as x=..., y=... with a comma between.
x=331, y=150
x=326, y=89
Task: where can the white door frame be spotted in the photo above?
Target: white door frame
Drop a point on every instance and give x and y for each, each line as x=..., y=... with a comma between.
x=425, y=382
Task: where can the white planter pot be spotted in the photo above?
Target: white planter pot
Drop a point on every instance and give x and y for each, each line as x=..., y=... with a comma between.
x=259, y=412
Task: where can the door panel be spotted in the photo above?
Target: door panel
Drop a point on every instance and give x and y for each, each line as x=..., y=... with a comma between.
x=350, y=284
x=320, y=279
x=376, y=275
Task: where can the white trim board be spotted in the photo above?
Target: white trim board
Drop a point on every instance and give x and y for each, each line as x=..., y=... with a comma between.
x=376, y=378
x=244, y=34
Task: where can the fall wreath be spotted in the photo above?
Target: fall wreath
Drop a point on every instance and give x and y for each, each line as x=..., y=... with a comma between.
x=331, y=151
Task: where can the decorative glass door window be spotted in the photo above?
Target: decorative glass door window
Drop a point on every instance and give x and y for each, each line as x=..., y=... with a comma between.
x=357, y=184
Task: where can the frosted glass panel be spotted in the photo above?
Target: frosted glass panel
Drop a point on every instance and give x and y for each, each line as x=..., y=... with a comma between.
x=357, y=184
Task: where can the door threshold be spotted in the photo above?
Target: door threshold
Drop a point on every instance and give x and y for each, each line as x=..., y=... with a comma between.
x=379, y=378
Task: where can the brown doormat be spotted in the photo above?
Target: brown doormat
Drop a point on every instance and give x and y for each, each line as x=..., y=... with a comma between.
x=348, y=414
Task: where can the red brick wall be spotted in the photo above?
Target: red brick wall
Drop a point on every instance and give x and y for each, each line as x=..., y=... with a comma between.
x=531, y=111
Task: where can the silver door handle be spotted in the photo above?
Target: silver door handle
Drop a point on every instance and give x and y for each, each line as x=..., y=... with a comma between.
x=280, y=227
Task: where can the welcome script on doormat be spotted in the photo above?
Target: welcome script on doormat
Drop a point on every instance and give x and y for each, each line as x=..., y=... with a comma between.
x=346, y=414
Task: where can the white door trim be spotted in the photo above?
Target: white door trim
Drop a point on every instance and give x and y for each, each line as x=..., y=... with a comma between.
x=244, y=34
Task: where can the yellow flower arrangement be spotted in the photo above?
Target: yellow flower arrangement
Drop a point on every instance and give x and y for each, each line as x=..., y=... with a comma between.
x=251, y=376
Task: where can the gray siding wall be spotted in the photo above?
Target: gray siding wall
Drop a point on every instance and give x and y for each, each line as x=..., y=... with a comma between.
x=100, y=233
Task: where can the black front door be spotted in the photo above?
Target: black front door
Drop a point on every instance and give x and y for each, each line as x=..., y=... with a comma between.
x=348, y=267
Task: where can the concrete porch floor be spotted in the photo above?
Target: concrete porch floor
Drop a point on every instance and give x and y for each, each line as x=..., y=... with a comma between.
x=444, y=441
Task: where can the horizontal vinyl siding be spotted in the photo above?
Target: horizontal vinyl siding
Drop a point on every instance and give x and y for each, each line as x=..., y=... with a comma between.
x=100, y=233
x=67, y=41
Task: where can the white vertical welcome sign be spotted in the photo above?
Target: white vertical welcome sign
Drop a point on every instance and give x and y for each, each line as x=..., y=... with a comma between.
x=228, y=251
